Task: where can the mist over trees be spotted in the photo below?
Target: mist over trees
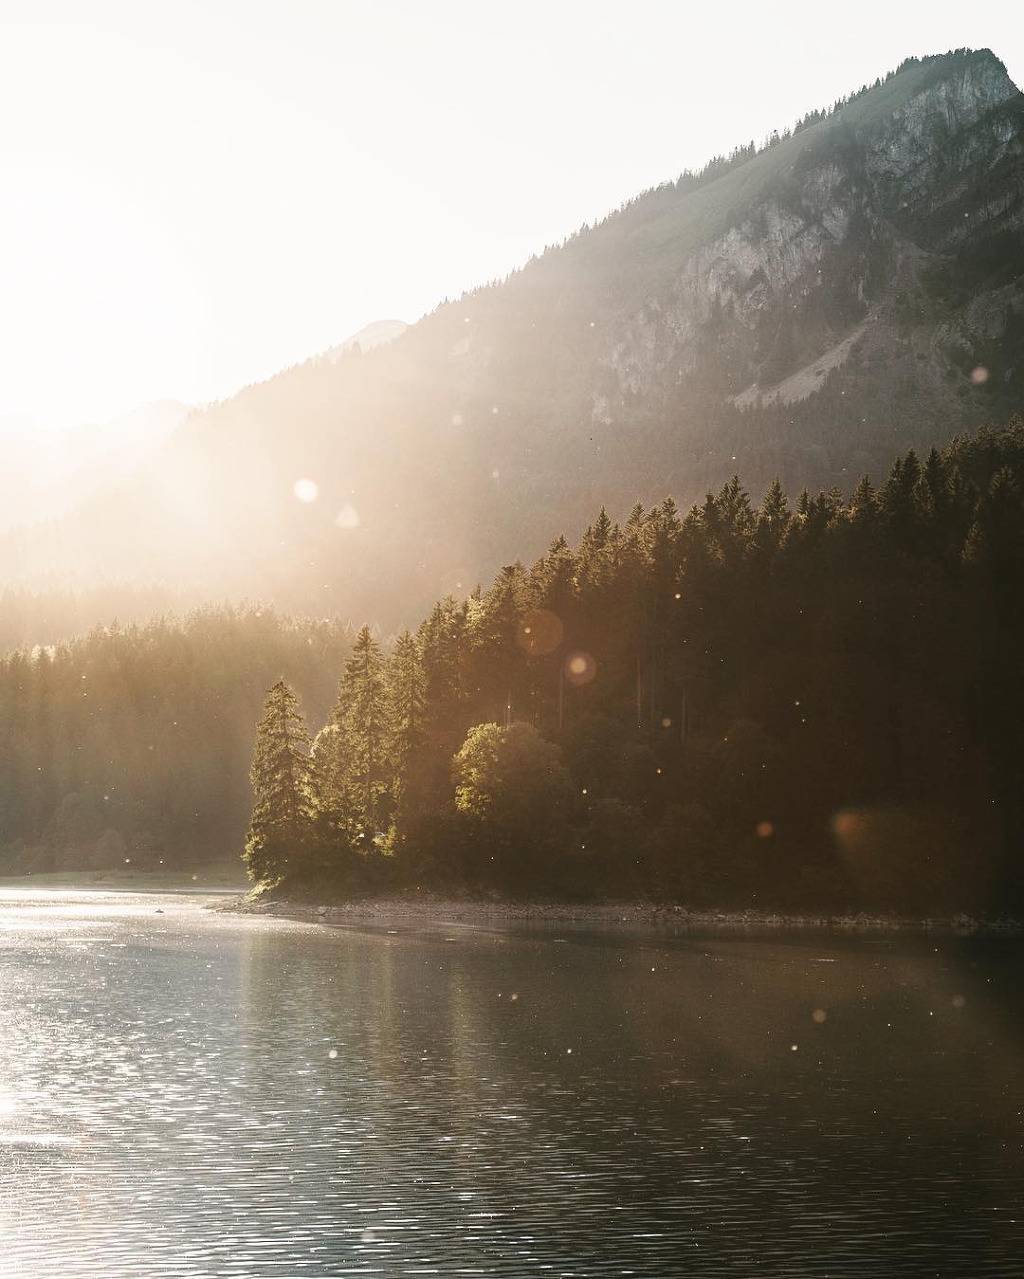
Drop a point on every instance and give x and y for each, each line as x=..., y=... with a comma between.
x=48, y=617
x=817, y=703
x=136, y=741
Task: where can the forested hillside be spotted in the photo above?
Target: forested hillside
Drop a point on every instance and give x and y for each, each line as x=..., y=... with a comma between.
x=135, y=742
x=810, y=704
x=803, y=309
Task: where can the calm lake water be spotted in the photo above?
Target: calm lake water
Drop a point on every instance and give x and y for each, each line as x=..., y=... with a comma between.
x=190, y=1093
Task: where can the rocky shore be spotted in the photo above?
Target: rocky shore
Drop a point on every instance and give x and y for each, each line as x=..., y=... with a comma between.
x=423, y=910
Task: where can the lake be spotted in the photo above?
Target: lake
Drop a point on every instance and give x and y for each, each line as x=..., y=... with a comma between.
x=191, y=1093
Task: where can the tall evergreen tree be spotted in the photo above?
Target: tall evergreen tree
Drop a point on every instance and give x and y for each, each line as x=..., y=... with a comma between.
x=362, y=715
x=281, y=828
x=406, y=686
x=499, y=663
x=773, y=517
x=442, y=646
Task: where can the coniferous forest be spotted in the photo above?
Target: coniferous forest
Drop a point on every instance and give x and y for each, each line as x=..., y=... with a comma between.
x=134, y=742
x=816, y=702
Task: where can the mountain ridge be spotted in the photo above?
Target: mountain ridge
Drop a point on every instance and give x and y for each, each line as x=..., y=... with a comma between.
x=647, y=354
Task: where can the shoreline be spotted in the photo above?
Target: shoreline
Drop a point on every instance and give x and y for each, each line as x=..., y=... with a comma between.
x=226, y=893
x=476, y=912
x=195, y=881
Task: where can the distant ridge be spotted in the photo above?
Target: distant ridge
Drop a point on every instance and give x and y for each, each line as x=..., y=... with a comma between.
x=379, y=333
x=803, y=310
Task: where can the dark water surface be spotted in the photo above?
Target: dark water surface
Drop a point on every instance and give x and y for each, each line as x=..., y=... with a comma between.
x=197, y=1094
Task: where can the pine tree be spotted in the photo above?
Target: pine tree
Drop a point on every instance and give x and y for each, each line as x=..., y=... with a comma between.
x=283, y=812
x=773, y=514
x=442, y=642
x=864, y=503
x=601, y=529
x=406, y=685
x=499, y=662
x=898, y=500
x=362, y=717
x=933, y=481
x=553, y=580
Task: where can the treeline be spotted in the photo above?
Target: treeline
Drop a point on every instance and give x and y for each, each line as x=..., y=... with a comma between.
x=50, y=616
x=819, y=704
x=135, y=742
x=692, y=179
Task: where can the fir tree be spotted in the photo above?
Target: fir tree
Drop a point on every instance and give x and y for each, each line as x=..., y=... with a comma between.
x=363, y=720
x=442, y=642
x=864, y=504
x=898, y=500
x=283, y=812
x=773, y=514
x=406, y=685
x=499, y=661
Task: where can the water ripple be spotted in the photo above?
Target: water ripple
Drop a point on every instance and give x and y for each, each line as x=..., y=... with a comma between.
x=212, y=1096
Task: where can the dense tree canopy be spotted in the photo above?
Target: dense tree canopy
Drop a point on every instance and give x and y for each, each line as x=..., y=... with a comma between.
x=759, y=705
x=815, y=702
x=515, y=795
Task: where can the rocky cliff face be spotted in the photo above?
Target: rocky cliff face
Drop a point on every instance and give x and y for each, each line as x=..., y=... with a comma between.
x=852, y=290
x=862, y=223
x=968, y=117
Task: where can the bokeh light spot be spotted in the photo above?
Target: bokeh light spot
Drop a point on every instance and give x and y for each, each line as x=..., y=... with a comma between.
x=540, y=632
x=580, y=668
x=847, y=824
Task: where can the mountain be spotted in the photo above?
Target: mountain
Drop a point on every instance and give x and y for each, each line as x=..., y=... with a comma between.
x=805, y=310
x=379, y=333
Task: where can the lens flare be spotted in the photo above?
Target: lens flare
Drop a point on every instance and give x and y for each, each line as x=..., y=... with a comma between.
x=847, y=824
x=540, y=632
x=580, y=668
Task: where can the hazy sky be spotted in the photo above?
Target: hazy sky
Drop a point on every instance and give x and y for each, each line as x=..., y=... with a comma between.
x=194, y=195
